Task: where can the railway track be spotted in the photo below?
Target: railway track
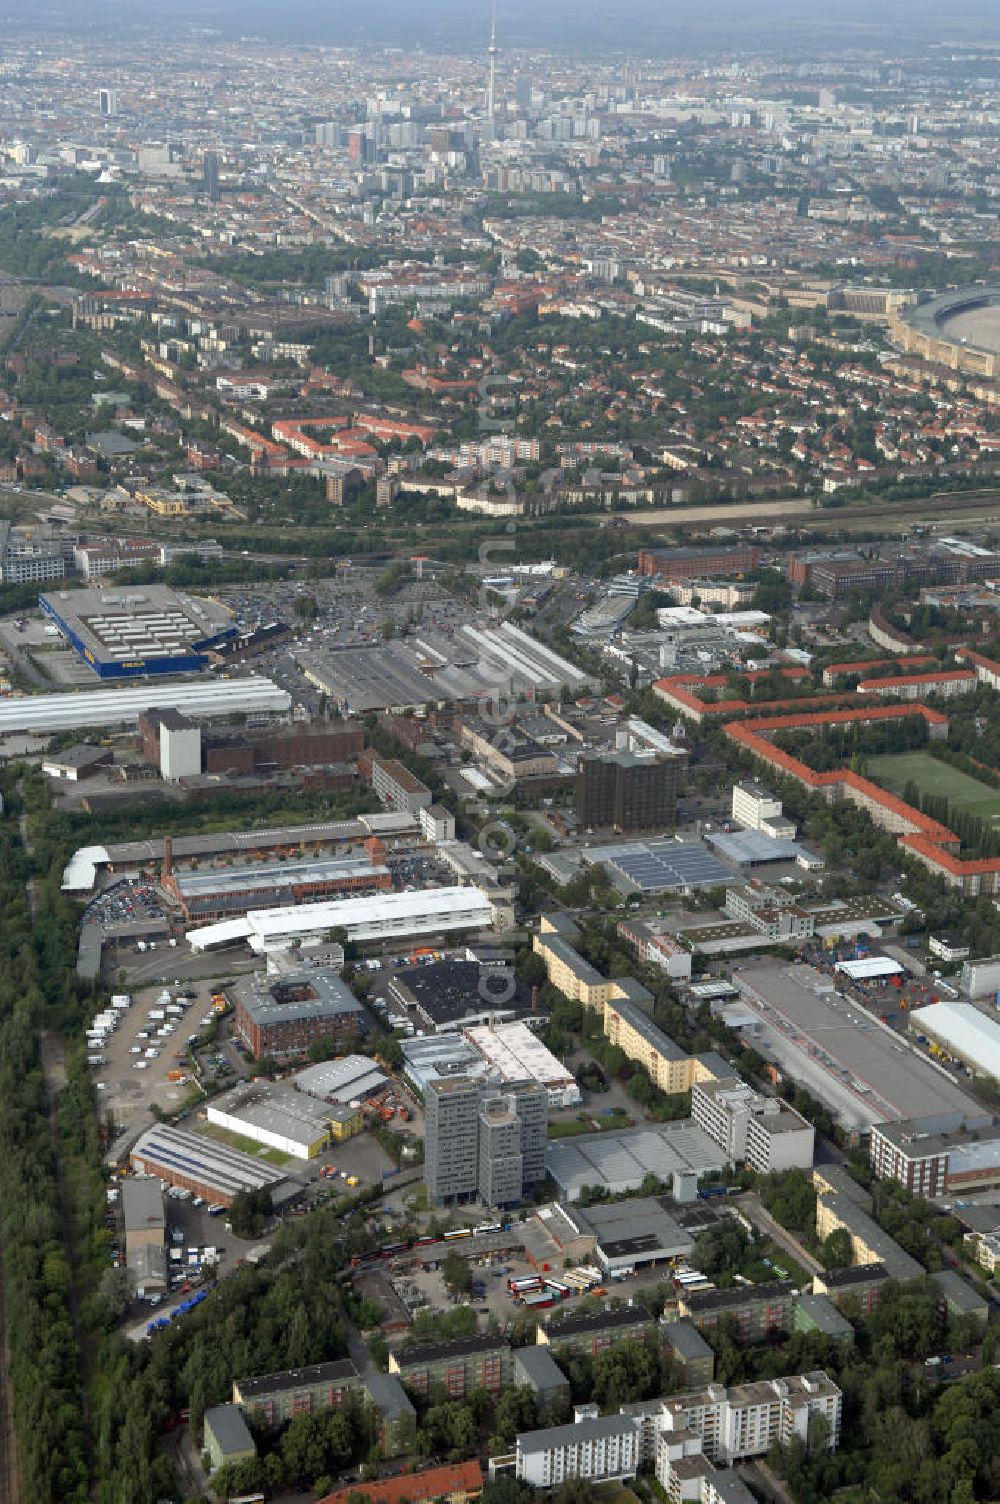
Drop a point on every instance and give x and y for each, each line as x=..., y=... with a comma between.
x=922, y=511
x=10, y=1484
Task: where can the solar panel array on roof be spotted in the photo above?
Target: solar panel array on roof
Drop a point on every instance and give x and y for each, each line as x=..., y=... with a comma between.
x=177, y=1152
x=656, y=866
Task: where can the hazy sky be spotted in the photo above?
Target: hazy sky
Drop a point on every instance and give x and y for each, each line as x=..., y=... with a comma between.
x=619, y=25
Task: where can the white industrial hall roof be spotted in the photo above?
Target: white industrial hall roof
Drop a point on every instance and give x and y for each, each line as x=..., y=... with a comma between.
x=869, y=968
x=960, y=1027
x=383, y=914
x=111, y=707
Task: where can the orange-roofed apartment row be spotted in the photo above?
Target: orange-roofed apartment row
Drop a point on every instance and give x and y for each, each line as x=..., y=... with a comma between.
x=835, y=671
x=927, y=840
x=455, y=1484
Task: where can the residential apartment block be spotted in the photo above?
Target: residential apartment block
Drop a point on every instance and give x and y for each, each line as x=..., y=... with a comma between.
x=597, y=1447
x=744, y=1421
x=458, y=1366
x=858, y=1288
x=625, y=1005
x=398, y=788
x=657, y=947
x=593, y=1332
x=758, y=1311
x=276, y=1397
x=760, y=1132
x=870, y=1245
x=567, y=970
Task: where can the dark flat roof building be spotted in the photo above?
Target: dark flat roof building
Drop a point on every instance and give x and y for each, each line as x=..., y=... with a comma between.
x=449, y=995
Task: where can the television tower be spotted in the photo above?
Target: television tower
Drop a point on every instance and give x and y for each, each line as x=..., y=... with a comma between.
x=491, y=87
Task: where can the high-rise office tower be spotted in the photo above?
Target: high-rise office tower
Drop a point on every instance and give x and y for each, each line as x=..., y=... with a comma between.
x=451, y=1167
x=482, y=1139
x=626, y=792
x=501, y=1165
x=107, y=102
x=522, y=91
x=211, y=174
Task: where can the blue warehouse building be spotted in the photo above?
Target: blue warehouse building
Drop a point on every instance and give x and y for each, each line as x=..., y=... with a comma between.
x=138, y=632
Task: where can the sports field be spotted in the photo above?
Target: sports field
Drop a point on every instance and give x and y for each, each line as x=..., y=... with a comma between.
x=896, y=769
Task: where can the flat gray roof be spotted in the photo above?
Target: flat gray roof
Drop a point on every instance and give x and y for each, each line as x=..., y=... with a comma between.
x=620, y=1161
x=118, y=623
x=579, y=1431
x=863, y=1071
x=319, y=993
x=643, y=1025
x=686, y=1340
x=235, y=841
x=275, y=1108
x=229, y=1429
x=388, y=1395
x=142, y=1205
x=341, y=1080
x=959, y=1293
x=541, y=1368
x=854, y=1217
x=581, y=968
x=265, y=875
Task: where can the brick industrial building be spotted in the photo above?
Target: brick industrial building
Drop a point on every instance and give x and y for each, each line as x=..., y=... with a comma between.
x=835, y=573
x=246, y=751
x=283, y=1015
x=219, y=892
x=676, y=564
x=200, y=1165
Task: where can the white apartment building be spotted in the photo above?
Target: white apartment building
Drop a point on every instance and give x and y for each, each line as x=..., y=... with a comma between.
x=436, y=823
x=755, y=808
x=593, y=1446
x=744, y=1421
x=761, y=1132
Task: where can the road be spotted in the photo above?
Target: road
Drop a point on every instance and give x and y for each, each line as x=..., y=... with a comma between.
x=752, y=1207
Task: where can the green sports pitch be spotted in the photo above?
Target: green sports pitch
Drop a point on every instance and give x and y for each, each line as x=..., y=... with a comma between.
x=896, y=769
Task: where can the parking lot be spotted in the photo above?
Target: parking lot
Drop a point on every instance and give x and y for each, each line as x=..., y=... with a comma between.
x=144, y=1051
x=189, y=1229
x=126, y=901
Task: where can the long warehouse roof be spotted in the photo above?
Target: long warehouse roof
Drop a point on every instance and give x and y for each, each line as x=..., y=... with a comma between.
x=109, y=707
x=962, y=1028
x=443, y=903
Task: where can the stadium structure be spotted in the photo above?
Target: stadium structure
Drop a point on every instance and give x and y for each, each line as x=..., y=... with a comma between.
x=959, y=329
